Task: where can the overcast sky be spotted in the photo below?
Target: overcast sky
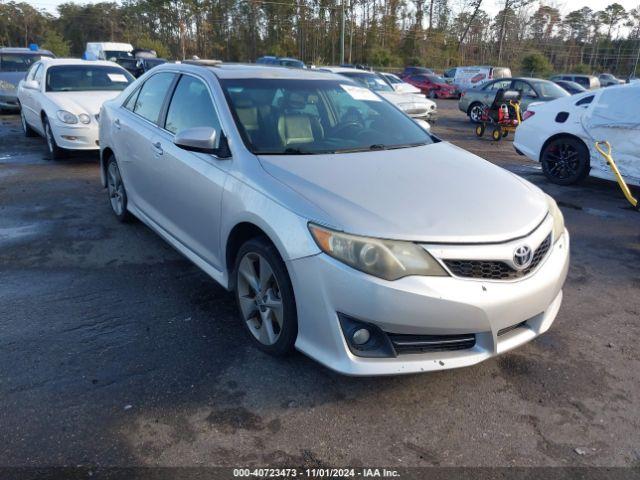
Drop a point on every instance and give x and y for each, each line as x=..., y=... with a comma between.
x=492, y=6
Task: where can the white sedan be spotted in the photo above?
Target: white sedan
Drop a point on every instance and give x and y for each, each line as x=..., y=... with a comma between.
x=60, y=99
x=417, y=107
x=561, y=134
x=400, y=85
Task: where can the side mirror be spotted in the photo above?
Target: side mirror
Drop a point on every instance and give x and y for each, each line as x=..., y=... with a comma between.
x=197, y=139
x=31, y=84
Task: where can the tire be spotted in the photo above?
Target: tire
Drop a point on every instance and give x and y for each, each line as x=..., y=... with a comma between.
x=475, y=112
x=55, y=152
x=265, y=298
x=28, y=131
x=565, y=161
x=432, y=94
x=480, y=129
x=496, y=134
x=116, y=191
x=505, y=133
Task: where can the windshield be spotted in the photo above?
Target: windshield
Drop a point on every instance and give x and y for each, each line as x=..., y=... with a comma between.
x=392, y=78
x=296, y=117
x=78, y=78
x=18, y=62
x=291, y=63
x=369, y=80
x=549, y=89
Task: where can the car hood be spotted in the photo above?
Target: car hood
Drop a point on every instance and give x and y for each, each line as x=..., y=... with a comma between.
x=82, y=102
x=433, y=193
x=403, y=98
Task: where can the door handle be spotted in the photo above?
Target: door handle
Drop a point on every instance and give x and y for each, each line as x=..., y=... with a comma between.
x=116, y=123
x=158, y=148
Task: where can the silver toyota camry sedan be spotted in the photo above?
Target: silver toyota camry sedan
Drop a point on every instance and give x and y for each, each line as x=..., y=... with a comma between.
x=344, y=229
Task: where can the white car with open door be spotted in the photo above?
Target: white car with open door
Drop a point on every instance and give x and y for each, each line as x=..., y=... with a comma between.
x=60, y=99
x=561, y=135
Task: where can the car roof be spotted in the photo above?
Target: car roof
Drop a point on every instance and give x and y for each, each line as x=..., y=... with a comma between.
x=24, y=50
x=251, y=70
x=346, y=70
x=76, y=61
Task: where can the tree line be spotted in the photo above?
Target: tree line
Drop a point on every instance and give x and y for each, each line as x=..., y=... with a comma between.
x=526, y=35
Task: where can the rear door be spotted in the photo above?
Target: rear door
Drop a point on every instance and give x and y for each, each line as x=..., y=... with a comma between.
x=189, y=185
x=135, y=126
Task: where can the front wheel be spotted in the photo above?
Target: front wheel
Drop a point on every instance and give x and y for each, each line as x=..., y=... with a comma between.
x=475, y=112
x=497, y=134
x=480, y=130
x=565, y=161
x=265, y=297
x=55, y=152
x=432, y=94
x=26, y=129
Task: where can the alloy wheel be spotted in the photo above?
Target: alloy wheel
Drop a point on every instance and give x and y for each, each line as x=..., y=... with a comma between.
x=259, y=296
x=475, y=114
x=116, y=188
x=49, y=136
x=562, y=160
x=24, y=122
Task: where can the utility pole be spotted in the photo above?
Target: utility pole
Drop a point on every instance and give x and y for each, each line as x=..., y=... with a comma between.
x=342, y=35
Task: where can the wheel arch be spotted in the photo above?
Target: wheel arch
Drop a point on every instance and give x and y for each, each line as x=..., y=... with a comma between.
x=563, y=135
x=105, y=153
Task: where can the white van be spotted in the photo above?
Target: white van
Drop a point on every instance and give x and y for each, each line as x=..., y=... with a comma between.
x=108, y=50
x=469, y=77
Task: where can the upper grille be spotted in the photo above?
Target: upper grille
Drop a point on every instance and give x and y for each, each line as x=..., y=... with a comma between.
x=403, y=343
x=497, y=269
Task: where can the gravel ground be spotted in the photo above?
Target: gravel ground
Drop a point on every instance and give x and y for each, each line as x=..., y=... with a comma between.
x=115, y=350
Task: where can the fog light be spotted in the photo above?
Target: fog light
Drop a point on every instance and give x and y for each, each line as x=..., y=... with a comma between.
x=69, y=137
x=361, y=336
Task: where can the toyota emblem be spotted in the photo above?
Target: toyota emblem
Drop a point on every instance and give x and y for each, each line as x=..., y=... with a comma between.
x=522, y=257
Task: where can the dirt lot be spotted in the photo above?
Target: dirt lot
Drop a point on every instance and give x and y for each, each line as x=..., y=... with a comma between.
x=115, y=350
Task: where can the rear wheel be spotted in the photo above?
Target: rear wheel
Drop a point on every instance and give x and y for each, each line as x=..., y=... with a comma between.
x=265, y=297
x=565, y=160
x=433, y=94
x=55, y=152
x=117, y=192
x=497, y=134
x=475, y=112
x=480, y=130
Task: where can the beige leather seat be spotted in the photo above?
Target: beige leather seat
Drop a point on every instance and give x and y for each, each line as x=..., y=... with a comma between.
x=248, y=115
x=296, y=126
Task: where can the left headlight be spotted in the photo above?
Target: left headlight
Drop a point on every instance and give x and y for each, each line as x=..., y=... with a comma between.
x=558, y=218
x=4, y=85
x=388, y=259
x=67, y=117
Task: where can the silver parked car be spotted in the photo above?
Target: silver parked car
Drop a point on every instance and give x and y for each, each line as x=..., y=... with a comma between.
x=344, y=229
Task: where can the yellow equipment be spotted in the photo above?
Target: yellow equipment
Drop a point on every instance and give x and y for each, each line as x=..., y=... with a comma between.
x=623, y=185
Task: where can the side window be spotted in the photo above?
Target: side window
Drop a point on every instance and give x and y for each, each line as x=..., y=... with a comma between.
x=585, y=100
x=191, y=106
x=152, y=95
x=131, y=101
x=497, y=85
x=524, y=88
x=32, y=71
x=38, y=74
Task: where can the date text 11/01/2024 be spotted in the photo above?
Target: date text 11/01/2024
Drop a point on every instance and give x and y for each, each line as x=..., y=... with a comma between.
x=316, y=473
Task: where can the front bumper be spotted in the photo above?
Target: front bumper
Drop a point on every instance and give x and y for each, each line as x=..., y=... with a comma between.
x=422, y=306
x=76, y=137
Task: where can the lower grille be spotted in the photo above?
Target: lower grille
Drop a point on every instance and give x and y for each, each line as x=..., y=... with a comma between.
x=512, y=327
x=431, y=343
x=497, y=269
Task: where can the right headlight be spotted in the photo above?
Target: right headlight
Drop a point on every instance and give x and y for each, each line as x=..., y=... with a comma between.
x=558, y=219
x=67, y=117
x=388, y=259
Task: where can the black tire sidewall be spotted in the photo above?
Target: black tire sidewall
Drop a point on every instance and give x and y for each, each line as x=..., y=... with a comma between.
x=56, y=153
x=583, y=169
x=285, y=343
